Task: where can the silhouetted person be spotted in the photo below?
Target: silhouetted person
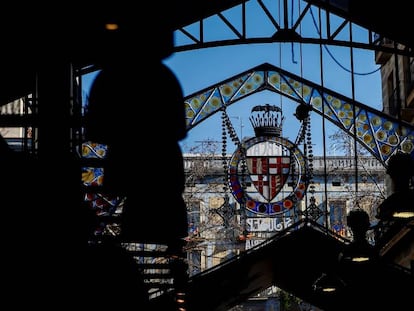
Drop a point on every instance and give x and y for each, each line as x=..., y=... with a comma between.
x=367, y=278
x=401, y=171
x=142, y=123
x=136, y=108
x=359, y=250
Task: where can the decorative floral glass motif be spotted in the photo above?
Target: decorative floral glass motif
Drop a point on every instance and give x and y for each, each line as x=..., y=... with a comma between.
x=379, y=133
x=93, y=179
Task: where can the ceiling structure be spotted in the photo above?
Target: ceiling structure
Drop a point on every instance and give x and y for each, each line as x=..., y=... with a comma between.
x=389, y=19
x=33, y=36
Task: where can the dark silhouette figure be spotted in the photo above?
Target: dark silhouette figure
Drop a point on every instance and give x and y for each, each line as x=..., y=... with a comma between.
x=144, y=161
x=136, y=108
x=359, y=250
x=401, y=171
x=366, y=274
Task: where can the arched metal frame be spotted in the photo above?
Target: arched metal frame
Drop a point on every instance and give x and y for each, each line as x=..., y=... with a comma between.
x=379, y=133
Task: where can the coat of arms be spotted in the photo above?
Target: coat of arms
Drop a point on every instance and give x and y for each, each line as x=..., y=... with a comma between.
x=267, y=172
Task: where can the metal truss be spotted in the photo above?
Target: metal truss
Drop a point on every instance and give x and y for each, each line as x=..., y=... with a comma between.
x=379, y=133
x=301, y=22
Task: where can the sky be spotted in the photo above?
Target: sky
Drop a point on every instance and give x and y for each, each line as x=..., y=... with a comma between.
x=201, y=68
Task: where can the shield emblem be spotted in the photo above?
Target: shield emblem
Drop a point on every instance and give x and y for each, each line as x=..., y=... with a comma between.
x=268, y=174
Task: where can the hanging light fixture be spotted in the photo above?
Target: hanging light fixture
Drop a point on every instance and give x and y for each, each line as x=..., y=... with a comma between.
x=404, y=212
x=358, y=252
x=328, y=283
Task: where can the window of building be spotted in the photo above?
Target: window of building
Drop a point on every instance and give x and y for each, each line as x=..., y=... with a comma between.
x=392, y=95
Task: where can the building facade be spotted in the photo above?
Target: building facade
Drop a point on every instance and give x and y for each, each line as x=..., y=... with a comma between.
x=220, y=227
x=397, y=79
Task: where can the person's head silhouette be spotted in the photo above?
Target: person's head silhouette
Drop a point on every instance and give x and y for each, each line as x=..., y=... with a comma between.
x=400, y=169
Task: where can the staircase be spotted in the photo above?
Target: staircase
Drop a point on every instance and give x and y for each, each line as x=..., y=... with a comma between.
x=293, y=260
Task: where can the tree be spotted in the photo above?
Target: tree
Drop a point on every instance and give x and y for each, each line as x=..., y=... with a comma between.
x=370, y=191
x=214, y=225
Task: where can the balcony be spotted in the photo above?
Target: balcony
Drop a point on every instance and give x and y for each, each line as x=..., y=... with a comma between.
x=410, y=85
x=407, y=114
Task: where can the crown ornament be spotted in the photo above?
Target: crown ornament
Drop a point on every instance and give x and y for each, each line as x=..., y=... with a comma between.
x=267, y=120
